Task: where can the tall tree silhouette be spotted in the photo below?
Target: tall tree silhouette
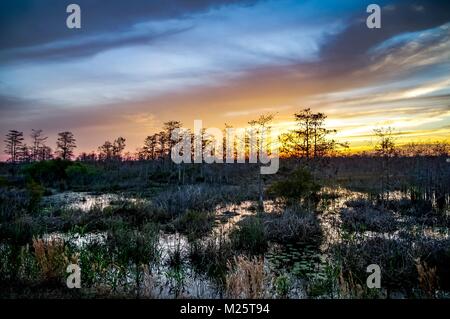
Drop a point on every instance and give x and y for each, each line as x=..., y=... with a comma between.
x=45, y=153
x=14, y=140
x=259, y=144
x=105, y=151
x=167, y=136
x=118, y=148
x=109, y=151
x=38, y=143
x=152, y=147
x=309, y=140
x=65, y=145
x=304, y=121
x=386, y=149
x=25, y=153
x=321, y=145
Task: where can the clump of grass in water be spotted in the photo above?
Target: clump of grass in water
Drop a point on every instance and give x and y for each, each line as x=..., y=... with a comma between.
x=52, y=258
x=293, y=225
x=176, y=271
x=368, y=218
x=178, y=200
x=248, y=235
x=195, y=224
x=211, y=256
x=283, y=285
x=18, y=265
x=133, y=248
x=427, y=277
x=325, y=283
x=246, y=278
x=300, y=186
x=397, y=259
x=94, y=260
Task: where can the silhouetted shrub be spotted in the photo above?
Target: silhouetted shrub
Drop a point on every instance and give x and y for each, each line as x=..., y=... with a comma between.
x=79, y=175
x=368, y=218
x=292, y=226
x=299, y=185
x=193, y=223
x=48, y=173
x=248, y=235
x=58, y=173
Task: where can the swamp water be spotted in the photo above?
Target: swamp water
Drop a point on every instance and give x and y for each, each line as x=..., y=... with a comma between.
x=300, y=262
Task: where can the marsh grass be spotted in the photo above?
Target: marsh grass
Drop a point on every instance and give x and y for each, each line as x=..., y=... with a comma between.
x=292, y=225
x=201, y=198
x=18, y=265
x=133, y=260
x=398, y=259
x=427, y=277
x=94, y=260
x=211, y=257
x=249, y=236
x=283, y=285
x=52, y=258
x=369, y=218
x=139, y=246
x=195, y=224
x=247, y=278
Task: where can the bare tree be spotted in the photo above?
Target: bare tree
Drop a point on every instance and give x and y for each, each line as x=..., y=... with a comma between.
x=38, y=142
x=106, y=151
x=25, y=153
x=14, y=140
x=112, y=151
x=118, y=148
x=45, y=153
x=65, y=145
x=260, y=143
x=386, y=149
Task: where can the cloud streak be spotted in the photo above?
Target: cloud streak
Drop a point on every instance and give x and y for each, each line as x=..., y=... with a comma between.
x=224, y=61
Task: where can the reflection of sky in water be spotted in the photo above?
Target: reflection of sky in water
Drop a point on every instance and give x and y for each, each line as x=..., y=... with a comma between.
x=76, y=239
x=160, y=282
x=86, y=201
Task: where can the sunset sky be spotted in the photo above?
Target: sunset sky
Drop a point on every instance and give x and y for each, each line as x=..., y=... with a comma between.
x=136, y=64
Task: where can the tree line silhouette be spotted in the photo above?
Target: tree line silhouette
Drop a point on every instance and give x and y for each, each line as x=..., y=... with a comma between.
x=308, y=140
x=19, y=151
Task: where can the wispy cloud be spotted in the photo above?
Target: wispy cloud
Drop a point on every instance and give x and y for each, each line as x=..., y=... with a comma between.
x=227, y=61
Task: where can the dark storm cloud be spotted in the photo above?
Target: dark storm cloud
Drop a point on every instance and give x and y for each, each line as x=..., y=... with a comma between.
x=31, y=22
x=86, y=47
x=349, y=49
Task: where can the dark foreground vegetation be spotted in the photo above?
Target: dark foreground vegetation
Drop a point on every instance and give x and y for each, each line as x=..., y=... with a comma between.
x=153, y=236
x=149, y=228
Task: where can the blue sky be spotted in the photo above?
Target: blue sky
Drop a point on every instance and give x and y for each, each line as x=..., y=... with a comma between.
x=136, y=64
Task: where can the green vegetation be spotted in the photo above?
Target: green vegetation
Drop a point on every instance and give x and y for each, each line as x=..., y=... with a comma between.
x=249, y=236
x=150, y=228
x=300, y=185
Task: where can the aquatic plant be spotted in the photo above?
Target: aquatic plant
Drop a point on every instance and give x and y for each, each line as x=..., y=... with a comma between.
x=246, y=278
x=249, y=236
